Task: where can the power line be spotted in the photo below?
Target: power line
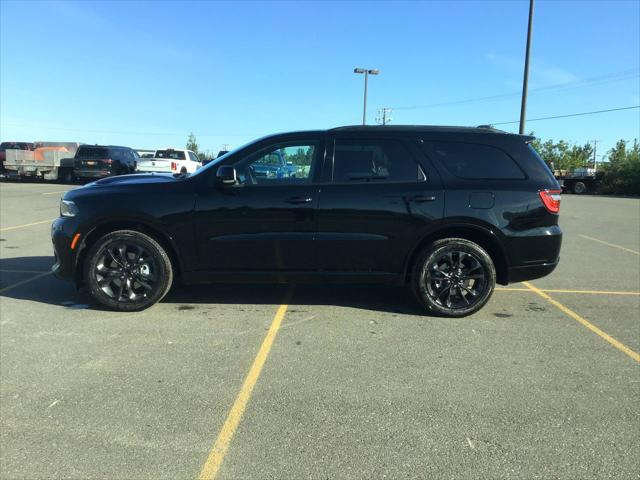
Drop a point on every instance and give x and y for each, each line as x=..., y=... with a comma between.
x=601, y=79
x=568, y=115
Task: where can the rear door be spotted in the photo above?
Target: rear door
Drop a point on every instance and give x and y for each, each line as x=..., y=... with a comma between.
x=378, y=199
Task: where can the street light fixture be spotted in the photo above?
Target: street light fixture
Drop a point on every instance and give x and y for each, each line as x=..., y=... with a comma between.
x=367, y=72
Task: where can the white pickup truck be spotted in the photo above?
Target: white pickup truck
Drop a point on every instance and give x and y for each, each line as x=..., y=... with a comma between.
x=170, y=160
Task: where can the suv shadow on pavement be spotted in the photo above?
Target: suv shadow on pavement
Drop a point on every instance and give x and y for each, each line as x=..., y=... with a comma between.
x=52, y=291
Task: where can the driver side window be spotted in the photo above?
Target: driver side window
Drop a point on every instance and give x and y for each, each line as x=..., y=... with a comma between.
x=282, y=164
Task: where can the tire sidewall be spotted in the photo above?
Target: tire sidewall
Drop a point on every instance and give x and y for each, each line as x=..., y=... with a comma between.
x=435, y=250
x=161, y=259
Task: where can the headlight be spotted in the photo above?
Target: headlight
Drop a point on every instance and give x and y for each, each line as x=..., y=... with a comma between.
x=68, y=208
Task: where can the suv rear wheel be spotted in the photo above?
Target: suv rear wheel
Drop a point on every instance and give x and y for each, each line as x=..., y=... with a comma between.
x=453, y=277
x=127, y=270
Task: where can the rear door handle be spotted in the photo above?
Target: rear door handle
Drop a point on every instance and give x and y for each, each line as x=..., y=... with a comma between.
x=422, y=198
x=299, y=200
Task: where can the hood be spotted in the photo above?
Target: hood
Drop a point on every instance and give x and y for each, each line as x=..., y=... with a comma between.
x=135, y=179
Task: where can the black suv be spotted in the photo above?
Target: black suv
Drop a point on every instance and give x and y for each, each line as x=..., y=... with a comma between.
x=448, y=211
x=97, y=161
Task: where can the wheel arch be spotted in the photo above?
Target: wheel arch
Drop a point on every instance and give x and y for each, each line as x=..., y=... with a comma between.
x=483, y=236
x=102, y=229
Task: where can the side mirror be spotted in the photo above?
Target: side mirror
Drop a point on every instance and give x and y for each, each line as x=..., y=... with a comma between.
x=226, y=176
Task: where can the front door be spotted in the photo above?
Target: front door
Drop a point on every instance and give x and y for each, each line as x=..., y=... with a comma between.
x=266, y=222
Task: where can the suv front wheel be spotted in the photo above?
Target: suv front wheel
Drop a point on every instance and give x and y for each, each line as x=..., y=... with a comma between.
x=127, y=270
x=453, y=277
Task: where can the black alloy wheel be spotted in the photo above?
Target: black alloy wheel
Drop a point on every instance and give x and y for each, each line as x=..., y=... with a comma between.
x=128, y=270
x=454, y=277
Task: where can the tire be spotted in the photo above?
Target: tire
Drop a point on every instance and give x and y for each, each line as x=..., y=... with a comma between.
x=183, y=171
x=135, y=257
x=438, y=266
x=579, y=188
x=66, y=175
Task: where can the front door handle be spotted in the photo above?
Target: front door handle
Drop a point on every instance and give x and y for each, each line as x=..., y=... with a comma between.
x=299, y=200
x=422, y=198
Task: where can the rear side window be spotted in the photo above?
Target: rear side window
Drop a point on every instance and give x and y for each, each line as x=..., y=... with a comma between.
x=475, y=161
x=93, y=153
x=382, y=160
x=172, y=154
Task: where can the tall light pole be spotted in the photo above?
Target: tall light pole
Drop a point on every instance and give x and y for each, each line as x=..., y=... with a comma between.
x=525, y=81
x=367, y=72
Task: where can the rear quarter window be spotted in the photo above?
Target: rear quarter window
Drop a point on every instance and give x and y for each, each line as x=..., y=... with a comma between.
x=474, y=161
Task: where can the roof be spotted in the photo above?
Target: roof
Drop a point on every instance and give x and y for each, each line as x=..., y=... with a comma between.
x=417, y=128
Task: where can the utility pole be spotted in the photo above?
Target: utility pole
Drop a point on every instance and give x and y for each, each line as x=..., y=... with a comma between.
x=595, y=159
x=525, y=81
x=384, y=116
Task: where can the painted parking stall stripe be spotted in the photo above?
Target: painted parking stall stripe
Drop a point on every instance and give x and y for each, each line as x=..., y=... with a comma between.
x=221, y=446
x=605, y=336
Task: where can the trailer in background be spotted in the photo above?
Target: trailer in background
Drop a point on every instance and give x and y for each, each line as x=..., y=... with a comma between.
x=48, y=161
x=579, y=180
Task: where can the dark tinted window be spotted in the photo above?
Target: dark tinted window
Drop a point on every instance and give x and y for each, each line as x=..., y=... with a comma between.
x=475, y=161
x=118, y=154
x=93, y=152
x=172, y=154
x=373, y=160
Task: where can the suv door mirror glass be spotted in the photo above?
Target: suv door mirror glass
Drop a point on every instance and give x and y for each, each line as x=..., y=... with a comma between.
x=226, y=176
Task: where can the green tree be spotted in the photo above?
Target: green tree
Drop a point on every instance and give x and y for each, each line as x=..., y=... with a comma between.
x=192, y=143
x=621, y=173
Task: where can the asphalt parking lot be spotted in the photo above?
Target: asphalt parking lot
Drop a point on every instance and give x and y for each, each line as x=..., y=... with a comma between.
x=323, y=381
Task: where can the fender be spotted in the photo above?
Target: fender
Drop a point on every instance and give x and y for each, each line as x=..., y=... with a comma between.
x=458, y=226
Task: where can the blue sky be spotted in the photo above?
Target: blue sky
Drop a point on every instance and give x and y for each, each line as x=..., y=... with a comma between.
x=145, y=74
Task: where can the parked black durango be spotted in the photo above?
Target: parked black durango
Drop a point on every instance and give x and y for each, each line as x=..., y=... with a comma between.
x=447, y=211
x=97, y=161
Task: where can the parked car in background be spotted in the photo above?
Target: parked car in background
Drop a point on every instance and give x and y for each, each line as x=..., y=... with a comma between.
x=447, y=211
x=274, y=165
x=171, y=160
x=98, y=161
x=4, y=146
x=147, y=155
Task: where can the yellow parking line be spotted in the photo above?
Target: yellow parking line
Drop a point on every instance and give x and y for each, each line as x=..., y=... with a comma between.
x=220, y=447
x=553, y=290
x=610, y=244
x=35, y=277
x=6, y=229
x=605, y=336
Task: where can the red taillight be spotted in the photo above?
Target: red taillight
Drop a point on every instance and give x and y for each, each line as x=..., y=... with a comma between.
x=174, y=166
x=551, y=200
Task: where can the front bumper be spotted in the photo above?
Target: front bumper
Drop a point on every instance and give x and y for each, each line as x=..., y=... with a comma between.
x=62, y=232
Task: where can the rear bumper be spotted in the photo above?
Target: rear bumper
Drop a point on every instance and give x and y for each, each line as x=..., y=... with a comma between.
x=531, y=272
x=91, y=173
x=534, y=253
